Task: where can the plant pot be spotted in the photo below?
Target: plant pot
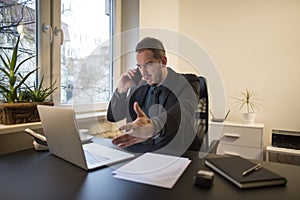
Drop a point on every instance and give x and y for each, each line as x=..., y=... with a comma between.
x=249, y=118
x=17, y=113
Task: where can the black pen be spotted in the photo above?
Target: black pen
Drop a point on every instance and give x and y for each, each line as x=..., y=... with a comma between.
x=254, y=168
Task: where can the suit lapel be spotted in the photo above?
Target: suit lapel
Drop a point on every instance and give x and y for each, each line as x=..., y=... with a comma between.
x=164, y=95
x=140, y=94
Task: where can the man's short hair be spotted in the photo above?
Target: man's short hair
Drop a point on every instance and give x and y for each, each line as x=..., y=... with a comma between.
x=152, y=44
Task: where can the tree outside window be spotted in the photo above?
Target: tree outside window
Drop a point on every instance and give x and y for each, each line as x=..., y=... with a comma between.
x=18, y=17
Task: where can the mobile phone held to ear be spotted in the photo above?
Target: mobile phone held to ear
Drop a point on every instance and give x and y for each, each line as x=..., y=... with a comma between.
x=138, y=76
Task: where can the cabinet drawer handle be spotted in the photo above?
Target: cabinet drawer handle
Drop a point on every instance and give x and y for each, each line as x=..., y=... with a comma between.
x=232, y=135
x=231, y=153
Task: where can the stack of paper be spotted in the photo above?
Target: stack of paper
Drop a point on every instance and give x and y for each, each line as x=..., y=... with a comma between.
x=153, y=169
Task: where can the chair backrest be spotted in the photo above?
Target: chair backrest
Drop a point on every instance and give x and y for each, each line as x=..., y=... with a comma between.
x=201, y=115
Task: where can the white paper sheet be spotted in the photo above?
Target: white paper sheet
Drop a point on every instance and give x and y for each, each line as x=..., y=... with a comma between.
x=153, y=169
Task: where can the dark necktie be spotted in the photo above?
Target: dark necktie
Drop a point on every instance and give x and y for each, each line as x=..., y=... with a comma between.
x=156, y=93
x=155, y=100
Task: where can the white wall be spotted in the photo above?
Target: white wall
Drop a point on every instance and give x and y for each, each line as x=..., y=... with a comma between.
x=158, y=15
x=254, y=44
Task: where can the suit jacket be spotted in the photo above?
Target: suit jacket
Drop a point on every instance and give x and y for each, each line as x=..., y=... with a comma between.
x=179, y=97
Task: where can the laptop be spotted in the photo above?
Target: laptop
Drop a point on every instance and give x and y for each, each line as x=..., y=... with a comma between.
x=59, y=125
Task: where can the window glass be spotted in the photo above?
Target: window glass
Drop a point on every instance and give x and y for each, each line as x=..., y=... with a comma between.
x=85, y=53
x=18, y=17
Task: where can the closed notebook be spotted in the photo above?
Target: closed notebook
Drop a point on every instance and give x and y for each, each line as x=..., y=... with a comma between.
x=232, y=168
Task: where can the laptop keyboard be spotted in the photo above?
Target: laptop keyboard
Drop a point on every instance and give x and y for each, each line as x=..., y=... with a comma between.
x=98, y=155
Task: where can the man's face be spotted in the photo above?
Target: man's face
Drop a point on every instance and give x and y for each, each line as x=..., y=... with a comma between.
x=151, y=68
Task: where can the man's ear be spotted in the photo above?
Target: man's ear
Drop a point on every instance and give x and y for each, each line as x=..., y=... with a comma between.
x=164, y=60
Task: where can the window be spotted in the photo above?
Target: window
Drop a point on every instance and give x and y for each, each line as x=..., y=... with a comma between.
x=19, y=17
x=85, y=52
x=71, y=41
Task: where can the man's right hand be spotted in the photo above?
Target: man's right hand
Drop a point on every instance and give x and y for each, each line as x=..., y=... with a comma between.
x=126, y=81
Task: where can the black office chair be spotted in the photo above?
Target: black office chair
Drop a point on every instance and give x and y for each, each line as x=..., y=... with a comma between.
x=202, y=117
x=201, y=142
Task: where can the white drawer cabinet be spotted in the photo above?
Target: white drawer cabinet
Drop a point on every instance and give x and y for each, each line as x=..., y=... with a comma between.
x=245, y=140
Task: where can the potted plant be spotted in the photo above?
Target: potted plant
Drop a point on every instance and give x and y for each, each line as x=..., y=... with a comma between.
x=38, y=93
x=18, y=100
x=249, y=103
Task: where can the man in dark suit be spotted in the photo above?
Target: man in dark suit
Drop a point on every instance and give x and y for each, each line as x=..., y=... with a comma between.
x=159, y=108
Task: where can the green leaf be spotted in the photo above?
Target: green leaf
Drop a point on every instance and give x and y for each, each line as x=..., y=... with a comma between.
x=6, y=64
x=19, y=65
x=25, y=78
x=5, y=72
x=14, y=56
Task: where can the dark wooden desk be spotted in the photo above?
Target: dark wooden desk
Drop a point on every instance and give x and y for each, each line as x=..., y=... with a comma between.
x=40, y=175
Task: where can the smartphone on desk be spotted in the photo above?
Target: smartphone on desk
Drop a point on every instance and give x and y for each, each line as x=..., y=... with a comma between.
x=138, y=76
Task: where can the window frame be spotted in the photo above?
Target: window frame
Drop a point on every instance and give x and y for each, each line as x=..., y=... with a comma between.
x=49, y=53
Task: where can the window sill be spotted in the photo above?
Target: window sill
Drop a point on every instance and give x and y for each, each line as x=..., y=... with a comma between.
x=6, y=129
x=90, y=116
x=81, y=117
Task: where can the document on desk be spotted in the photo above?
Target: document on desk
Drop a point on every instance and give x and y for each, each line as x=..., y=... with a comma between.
x=153, y=169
